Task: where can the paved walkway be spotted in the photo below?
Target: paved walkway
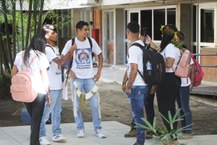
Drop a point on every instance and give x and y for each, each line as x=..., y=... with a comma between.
x=19, y=135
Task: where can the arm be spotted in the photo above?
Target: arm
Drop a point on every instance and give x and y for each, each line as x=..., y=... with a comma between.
x=14, y=70
x=149, y=41
x=169, y=62
x=100, y=59
x=132, y=76
x=60, y=61
x=124, y=81
x=192, y=76
x=46, y=84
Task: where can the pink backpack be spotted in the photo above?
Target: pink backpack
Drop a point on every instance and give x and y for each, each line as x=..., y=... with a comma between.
x=183, y=68
x=21, y=86
x=198, y=73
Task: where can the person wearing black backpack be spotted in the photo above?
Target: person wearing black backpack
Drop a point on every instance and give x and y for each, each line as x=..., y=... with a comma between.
x=149, y=101
x=136, y=89
x=168, y=87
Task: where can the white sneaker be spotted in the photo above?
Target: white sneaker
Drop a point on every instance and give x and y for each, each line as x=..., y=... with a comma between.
x=59, y=138
x=99, y=134
x=43, y=141
x=80, y=133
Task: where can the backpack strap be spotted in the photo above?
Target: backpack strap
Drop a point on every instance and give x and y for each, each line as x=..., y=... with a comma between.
x=143, y=57
x=90, y=41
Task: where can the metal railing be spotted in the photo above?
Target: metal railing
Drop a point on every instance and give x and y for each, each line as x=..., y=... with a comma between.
x=203, y=65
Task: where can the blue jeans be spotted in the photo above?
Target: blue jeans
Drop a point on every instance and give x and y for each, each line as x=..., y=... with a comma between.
x=55, y=110
x=137, y=97
x=86, y=85
x=183, y=103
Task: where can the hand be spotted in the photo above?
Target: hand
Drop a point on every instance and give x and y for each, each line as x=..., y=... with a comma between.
x=48, y=99
x=153, y=89
x=97, y=76
x=191, y=87
x=128, y=90
x=123, y=87
x=72, y=74
x=73, y=47
x=148, y=40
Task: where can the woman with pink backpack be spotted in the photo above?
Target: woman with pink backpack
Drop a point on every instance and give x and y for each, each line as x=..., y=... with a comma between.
x=35, y=62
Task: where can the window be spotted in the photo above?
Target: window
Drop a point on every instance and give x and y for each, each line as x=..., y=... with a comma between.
x=171, y=16
x=146, y=23
x=159, y=19
x=207, y=25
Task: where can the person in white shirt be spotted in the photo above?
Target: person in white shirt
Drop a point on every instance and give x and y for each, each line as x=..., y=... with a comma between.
x=83, y=78
x=168, y=87
x=37, y=64
x=55, y=79
x=136, y=89
x=184, y=93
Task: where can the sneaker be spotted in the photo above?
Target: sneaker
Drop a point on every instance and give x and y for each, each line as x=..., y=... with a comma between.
x=99, y=134
x=80, y=133
x=59, y=138
x=43, y=141
x=131, y=133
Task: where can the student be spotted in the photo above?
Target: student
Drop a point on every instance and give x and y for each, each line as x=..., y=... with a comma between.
x=55, y=78
x=34, y=53
x=184, y=94
x=168, y=87
x=149, y=102
x=83, y=78
x=136, y=89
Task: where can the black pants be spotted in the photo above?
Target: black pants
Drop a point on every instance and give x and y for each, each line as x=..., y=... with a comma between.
x=167, y=92
x=35, y=110
x=149, y=108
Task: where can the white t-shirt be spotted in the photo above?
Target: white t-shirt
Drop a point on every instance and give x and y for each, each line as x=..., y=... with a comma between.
x=135, y=56
x=40, y=62
x=54, y=73
x=186, y=81
x=82, y=57
x=173, y=52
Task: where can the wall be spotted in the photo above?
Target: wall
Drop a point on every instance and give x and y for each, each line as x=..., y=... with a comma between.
x=210, y=74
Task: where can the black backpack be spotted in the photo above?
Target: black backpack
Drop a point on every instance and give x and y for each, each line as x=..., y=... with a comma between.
x=154, y=75
x=68, y=63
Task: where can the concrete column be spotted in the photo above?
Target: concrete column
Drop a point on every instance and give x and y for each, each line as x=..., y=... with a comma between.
x=119, y=49
x=186, y=23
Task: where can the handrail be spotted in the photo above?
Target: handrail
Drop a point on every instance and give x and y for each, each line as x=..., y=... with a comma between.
x=202, y=65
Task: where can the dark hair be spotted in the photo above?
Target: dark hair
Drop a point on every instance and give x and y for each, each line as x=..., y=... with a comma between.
x=38, y=43
x=180, y=35
x=144, y=31
x=168, y=33
x=133, y=27
x=48, y=27
x=81, y=24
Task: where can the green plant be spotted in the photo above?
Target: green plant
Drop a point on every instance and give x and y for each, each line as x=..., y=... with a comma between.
x=5, y=82
x=161, y=135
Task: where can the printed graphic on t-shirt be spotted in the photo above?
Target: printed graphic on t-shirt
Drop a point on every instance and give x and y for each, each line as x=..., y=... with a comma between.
x=83, y=57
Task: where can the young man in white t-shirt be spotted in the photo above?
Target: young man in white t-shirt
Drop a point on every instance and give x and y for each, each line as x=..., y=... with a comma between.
x=136, y=88
x=83, y=78
x=55, y=79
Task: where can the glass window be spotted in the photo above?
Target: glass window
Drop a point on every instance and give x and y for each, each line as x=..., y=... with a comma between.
x=134, y=17
x=207, y=25
x=194, y=23
x=146, y=21
x=171, y=16
x=159, y=19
